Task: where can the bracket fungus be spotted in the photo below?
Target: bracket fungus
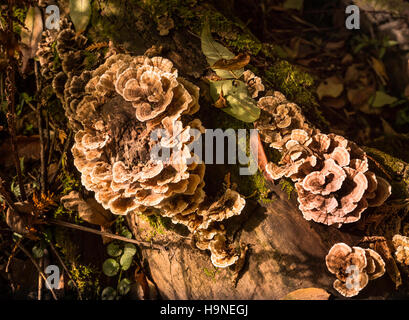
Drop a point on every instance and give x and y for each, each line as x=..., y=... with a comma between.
x=353, y=267
x=401, y=244
x=331, y=173
x=278, y=118
x=133, y=125
x=254, y=84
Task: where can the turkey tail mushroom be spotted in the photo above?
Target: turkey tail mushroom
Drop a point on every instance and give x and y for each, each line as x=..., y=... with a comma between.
x=132, y=146
x=354, y=268
x=331, y=173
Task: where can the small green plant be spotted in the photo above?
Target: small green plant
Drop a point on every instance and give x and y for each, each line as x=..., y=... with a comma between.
x=380, y=46
x=121, y=258
x=211, y=273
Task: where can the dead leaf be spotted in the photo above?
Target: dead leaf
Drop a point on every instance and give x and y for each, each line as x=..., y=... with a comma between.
x=391, y=268
x=61, y=136
x=352, y=73
x=335, y=45
x=88, y=209
x=22, y=220
x=380, y=70
x=236, y=63
x=360, y=96
x=347, y=59
x=331, y=87
x=307, y=294
x=221, y=102
x=143, y=288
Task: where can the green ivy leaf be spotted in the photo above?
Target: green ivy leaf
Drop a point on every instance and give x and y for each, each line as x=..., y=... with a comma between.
x=382, y=99
x=214, y=51
x=80, y=13
x=126, y=233
x=114, y=249
x=110, y=267
x=129, y=249
x=108, y=293
x=124, y=286
x=126, y=261
x=240, y=104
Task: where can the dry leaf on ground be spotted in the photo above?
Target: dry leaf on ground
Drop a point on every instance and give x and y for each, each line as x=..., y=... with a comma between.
x=89, y=210
x=331, y=87
x=307, y=294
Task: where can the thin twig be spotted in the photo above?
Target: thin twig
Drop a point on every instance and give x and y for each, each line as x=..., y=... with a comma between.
x=51, y=147
x=145, y=244
x=12, y=254
x=53, y=249
x=38, y=268
x=43, y=147
x=40, y=281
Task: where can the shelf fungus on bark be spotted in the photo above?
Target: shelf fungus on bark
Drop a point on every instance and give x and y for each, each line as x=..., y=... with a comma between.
x=278, y=118
x=254, y=84
x=401, y=245
x=353, y=267
x=132, y=145
x=69, y=47
x=331, y=173
x=45, y=55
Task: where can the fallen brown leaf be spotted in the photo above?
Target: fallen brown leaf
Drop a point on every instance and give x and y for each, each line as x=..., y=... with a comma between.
x=331, y=87
x=335, y=45
x=238, y=62
x=143, y=288
x=380, y=70
x=384, y=250
x=88, y=209
x=307, y=294
x=22, y=220
x=221, y=102
x=360, y=96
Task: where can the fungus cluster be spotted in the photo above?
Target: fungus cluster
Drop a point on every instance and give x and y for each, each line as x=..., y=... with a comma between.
x=353, y=267
x=45, y=55
x=331, y=173
x=68, y=46
x=401, y=244
x=133, y=123
x=254, y=83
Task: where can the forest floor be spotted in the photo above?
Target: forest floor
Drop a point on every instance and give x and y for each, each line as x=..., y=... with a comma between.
x=346, y=75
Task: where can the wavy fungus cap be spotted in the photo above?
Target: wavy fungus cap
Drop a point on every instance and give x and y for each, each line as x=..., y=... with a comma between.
x=401, y=244
x=133, y=149
x=278, y=118
x=331, y=177
x=353, y=267
x=132, y=146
